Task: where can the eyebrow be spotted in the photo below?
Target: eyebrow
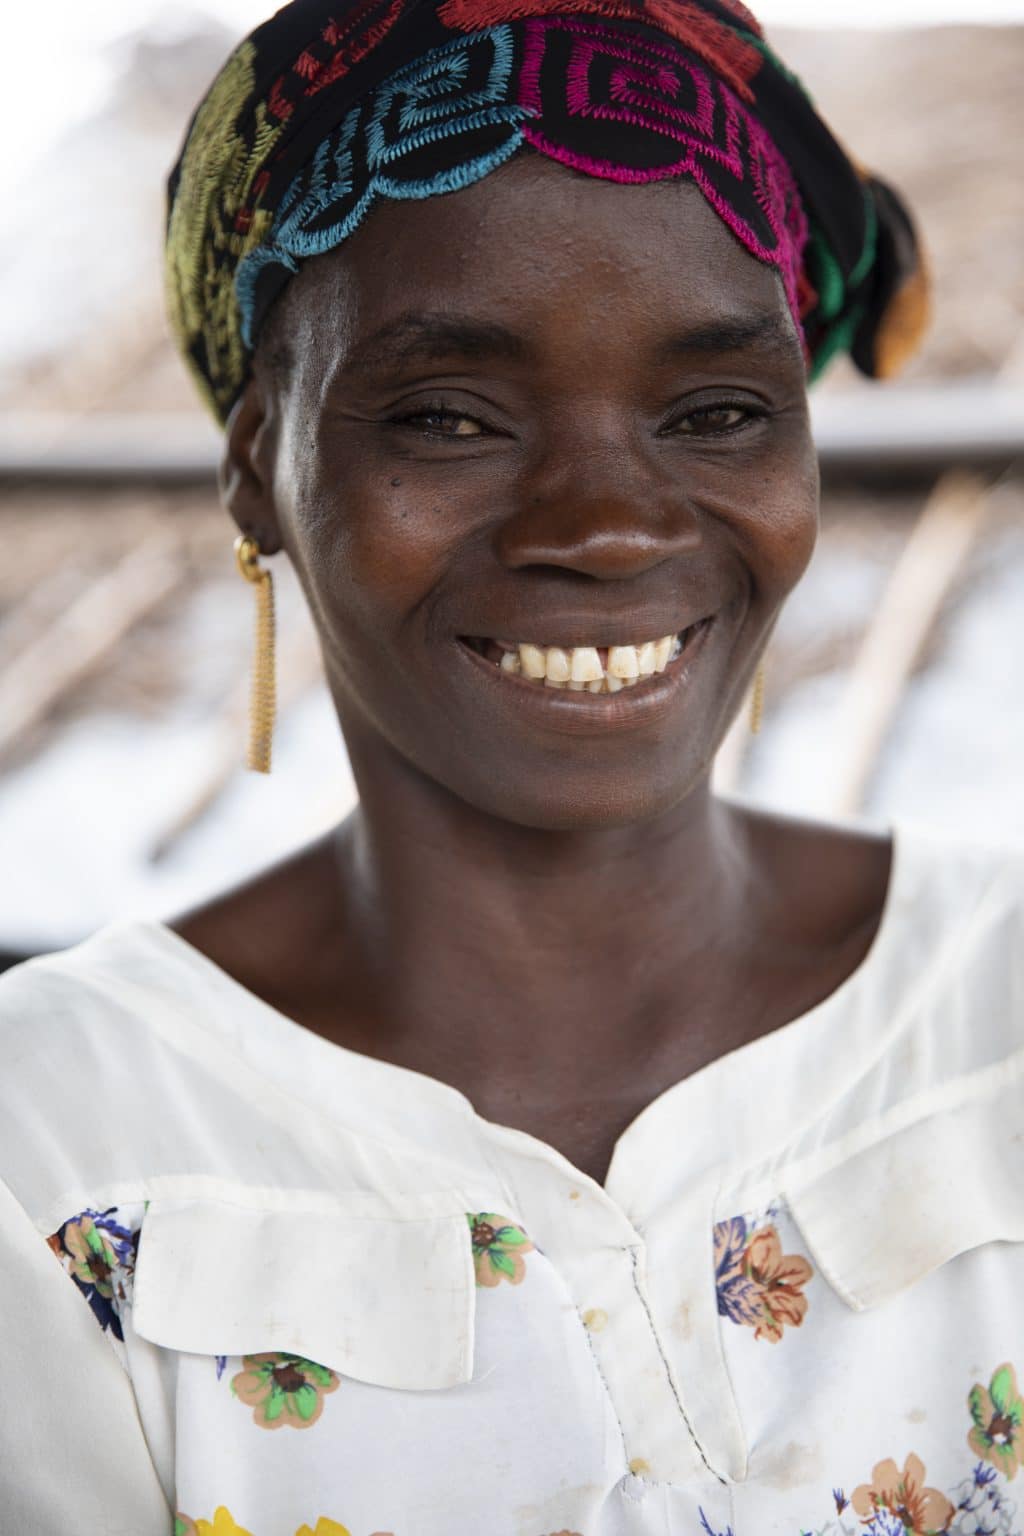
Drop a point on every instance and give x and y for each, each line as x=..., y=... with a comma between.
x=420, y=338
x=765, y=331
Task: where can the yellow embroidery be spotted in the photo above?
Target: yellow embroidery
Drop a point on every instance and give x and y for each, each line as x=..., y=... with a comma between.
x=217, y=175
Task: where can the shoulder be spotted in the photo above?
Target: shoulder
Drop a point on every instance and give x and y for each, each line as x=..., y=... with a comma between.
x=957, y=880
x=936, y=871
x=946, y=991
x=954, y=914
x=133, y=1069
x=945, y=908
x=120, y=1071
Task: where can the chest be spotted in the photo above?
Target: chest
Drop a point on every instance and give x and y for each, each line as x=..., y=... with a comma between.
x=588, y=1378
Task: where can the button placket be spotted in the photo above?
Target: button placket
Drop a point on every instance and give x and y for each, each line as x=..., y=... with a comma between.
x=682, y=1288
x=600, y=1257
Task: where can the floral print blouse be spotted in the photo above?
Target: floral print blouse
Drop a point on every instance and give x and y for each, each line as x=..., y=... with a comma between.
x=254, y=1284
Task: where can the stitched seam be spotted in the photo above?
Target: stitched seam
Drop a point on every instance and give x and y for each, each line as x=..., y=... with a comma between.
x=509, y=1187
x=633, y=1254
x=278, y=1199
x=604, y=1384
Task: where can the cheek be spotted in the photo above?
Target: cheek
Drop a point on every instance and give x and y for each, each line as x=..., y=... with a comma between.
x=370, y=549
x=780, y=528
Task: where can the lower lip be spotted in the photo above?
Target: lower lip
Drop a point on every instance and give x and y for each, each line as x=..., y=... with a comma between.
x=590, y=713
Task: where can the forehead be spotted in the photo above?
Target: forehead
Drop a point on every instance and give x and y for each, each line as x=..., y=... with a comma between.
x=550, y=254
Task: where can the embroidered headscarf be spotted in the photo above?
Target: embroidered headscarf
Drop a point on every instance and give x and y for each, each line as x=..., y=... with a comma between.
x=332, y=105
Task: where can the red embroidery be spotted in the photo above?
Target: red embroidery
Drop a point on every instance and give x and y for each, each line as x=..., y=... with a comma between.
x=340, y=46
x=733, y=59
x=307, y=66
x=743, y=16
x=349, y=50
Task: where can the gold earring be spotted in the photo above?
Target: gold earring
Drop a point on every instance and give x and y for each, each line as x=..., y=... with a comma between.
x=263, y=699
x=757, y=700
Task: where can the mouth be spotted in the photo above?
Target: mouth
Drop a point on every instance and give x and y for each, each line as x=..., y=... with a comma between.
x=588, y=669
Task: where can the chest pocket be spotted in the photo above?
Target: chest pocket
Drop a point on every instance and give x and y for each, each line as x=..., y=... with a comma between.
x=896, y=1211
x=377, y=1290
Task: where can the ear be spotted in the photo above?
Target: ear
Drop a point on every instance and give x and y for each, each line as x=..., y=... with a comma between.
x=246, y=476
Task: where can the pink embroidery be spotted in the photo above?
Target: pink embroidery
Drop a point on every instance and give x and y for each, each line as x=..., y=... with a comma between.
x=731, y=56
x=614, y=78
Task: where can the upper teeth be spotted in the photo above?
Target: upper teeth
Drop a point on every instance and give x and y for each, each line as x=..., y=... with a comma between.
x=580, y=666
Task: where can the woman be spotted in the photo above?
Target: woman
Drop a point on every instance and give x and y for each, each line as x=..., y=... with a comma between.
x=554, y=1147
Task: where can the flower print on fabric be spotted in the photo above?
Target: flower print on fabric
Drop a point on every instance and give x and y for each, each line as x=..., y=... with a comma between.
x=708, y=1529
x=325, y=1527
x=222, y=1524
x=283, y=1389
x=919, y=1510
x=982, y=1505
x=898, y=1504
x=498, y=1249
x=758, y=1285
x=998, y=1414
x=98, y=1251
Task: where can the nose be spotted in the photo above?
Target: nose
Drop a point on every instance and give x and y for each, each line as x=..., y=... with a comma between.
x=609, y=513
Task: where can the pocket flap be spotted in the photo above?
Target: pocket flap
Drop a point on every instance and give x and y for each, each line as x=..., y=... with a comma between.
x=380, y=1295
x=894, y=1212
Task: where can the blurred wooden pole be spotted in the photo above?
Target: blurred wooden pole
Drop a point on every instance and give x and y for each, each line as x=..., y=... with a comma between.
x=299, y=669
x=74, y=645
x=933, y=558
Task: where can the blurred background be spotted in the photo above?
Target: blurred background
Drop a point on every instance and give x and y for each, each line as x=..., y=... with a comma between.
x=893, y=686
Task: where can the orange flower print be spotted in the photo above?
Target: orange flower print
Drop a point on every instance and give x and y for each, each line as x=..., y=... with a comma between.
x=922, y=1511
x=779, y=1279
x=283, y=1389
x=98, y=1251
x=998, y=1414
x=93, y=1260
x=758, y=1285
x=498, y=1248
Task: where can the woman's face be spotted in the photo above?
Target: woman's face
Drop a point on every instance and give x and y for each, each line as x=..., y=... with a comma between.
x=549, y=410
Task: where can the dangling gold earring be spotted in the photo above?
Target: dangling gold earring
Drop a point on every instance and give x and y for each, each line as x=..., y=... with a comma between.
x=263, y=699
x=757, y=700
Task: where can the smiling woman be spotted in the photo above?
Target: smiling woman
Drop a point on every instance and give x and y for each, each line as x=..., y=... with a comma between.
x=554, y=1147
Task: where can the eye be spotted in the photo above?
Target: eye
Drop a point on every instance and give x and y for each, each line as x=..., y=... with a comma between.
x=439, y=421
x=716, y=420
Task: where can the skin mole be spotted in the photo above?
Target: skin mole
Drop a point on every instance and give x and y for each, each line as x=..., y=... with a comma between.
x=539, y=404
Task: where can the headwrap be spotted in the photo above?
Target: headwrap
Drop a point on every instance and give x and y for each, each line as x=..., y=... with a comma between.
x=332, y=105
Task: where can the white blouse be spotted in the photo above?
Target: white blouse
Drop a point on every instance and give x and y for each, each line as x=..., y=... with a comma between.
x=253, y=1282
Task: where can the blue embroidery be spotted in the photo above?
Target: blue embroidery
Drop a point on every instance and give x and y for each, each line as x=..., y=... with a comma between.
x=425, y=102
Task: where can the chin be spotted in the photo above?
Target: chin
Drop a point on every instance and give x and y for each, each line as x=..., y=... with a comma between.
x=598, y=804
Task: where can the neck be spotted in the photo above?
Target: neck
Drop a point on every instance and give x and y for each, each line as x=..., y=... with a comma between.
x=470, y=934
